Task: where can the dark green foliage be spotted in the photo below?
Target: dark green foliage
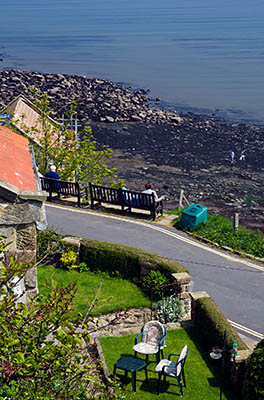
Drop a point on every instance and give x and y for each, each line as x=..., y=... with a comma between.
x=15, y=390
x=166, y=265
x=123, y=261
x=253, y=385
x=152, y=282
x=220, y=230
x=35, y=341
x=113, y=261
x=212, y=323
x=49, y=244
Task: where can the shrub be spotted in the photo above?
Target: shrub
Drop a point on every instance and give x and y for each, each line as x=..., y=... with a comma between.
x=212, y=322
x=151, y=283
x=83, y=267
x=126, y=262
x=253, y=385
x=28, y=353
x=68, y=259
x=49, y=244
x=170, y=309
x=104, y=257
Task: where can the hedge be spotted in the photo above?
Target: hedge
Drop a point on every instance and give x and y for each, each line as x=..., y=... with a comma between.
x=212, y=324
x=253, y=385
x=124, y=260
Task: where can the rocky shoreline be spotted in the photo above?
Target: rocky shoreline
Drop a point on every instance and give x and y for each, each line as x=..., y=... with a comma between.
x=173, y=150
x=98, y=99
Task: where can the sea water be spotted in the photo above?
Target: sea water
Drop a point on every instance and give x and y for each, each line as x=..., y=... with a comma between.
x=199, y=55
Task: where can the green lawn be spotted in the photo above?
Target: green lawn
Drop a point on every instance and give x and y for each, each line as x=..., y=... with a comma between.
x=202, y=374
x=116, y=294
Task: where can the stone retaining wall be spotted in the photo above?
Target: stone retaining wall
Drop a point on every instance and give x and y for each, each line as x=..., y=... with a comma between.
x=131, y=321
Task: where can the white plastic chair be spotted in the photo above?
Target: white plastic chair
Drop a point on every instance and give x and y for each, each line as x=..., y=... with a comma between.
x=173, y=369
x=153, y=335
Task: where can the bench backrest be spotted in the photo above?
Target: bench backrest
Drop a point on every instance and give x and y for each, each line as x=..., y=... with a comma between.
x=57, y=185
x=103, y=193
x=137, y=199
x=122, y=197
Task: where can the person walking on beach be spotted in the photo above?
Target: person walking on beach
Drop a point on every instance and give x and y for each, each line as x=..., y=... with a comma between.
x=242, y=155
x=232, y=157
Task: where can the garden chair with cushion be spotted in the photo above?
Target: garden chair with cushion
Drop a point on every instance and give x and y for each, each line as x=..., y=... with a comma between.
x=153, y=335
x=173, y=369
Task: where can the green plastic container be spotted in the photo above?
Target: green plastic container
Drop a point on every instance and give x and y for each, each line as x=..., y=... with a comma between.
x=193, y=215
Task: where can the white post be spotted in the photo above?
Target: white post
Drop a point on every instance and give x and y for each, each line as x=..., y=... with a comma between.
x=181, y=198
x=236, y=221
x=76, y=129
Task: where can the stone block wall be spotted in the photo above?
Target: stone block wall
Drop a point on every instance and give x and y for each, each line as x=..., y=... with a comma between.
x=19, y=213
x=181, y=286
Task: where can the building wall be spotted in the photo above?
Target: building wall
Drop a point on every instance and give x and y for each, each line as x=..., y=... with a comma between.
x=18, y=219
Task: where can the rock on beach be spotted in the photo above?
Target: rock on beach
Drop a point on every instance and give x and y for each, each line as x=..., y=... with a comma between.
x=98, y=99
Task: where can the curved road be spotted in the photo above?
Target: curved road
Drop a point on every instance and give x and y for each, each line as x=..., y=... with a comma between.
x=235, y=284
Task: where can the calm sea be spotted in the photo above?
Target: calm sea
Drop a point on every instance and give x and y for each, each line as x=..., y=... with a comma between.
x=203, y=55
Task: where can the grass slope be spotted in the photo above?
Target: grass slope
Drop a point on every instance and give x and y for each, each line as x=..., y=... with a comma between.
x=220, y=230
x=116, y=294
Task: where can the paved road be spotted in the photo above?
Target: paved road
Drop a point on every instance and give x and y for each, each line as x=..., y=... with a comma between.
x=236, y=285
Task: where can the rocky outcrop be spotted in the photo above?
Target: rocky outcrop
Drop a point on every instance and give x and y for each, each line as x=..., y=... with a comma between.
x=98, y=99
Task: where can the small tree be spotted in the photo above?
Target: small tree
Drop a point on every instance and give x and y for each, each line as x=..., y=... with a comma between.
x=91, y=163
x=80, y=159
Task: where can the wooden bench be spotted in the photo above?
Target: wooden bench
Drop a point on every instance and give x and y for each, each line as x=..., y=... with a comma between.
x=126, y=199
x=64, y=188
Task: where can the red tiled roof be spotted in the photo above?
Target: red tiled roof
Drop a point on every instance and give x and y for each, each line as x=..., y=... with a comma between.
x=15, y=160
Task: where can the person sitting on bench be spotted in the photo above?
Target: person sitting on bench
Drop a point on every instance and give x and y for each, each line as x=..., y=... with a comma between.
x=149, y=190
x=52, y=173
x=53, y=186
x=130, y=199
